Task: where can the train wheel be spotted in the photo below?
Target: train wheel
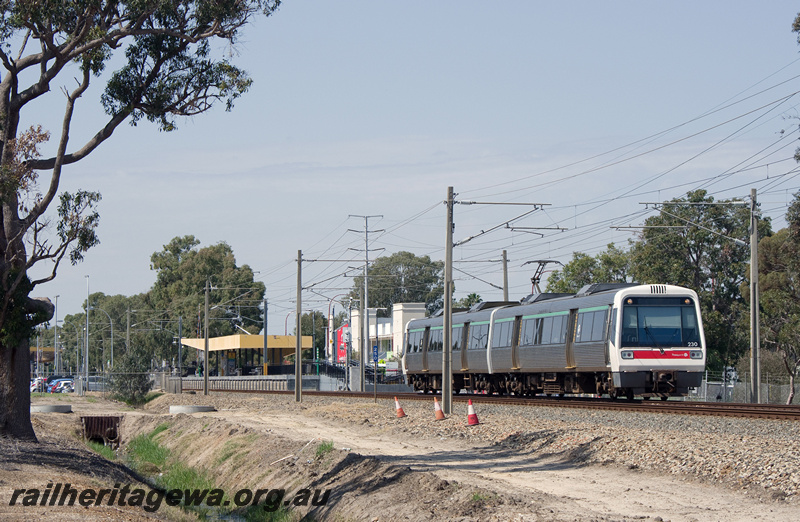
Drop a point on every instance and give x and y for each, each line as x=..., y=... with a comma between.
x=612, y=394
x=629, y=394
x=664, y=398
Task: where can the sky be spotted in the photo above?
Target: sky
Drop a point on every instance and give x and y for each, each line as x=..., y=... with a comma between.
x=369, y=108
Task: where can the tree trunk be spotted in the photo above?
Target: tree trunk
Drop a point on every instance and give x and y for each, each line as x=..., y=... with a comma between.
x=15, y=398
x=791, y=389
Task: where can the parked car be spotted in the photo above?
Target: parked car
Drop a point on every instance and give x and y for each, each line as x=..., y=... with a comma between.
x=38, y=384
x=51, y=388
x=65, y=386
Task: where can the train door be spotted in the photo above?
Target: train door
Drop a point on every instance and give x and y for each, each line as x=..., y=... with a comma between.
x=515, y=343
x=464, y=346
x=424, y=347
x=461, y=332
x=570, y=337
x=610, y=334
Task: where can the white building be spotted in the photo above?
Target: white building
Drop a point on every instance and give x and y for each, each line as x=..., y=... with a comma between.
x=387, y=333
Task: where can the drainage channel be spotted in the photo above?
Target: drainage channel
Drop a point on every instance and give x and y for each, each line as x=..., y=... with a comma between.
x=102, y=429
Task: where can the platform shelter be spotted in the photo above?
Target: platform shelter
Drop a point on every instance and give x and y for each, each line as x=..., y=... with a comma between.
x=243, y=354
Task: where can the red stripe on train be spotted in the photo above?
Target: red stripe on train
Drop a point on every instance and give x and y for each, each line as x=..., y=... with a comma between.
x=656, y=354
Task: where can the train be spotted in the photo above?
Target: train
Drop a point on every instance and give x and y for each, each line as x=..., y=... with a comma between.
x=608, y=339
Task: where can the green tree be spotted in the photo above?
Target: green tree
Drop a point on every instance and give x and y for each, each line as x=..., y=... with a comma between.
x=179, y=291
x=130, y=381
x=697, y=251
x=316, y=324
x=402, y=278
x=610, y=266
x=170, y=69
x=468, y=301
x=105, y=311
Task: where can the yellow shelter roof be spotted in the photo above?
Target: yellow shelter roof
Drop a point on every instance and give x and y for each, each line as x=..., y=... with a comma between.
x=241, y=341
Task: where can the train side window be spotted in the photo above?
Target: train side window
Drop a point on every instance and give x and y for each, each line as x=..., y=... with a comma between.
x=456, y=338
x=563, y=331
x=559, y=325
x=547, y=329
x=630, y=326
x=433, y=345
x=585, y=325
x=502, y=334
x=598, y=324
x=612, y=333
x=689, y=326
x=526, y=333
x=539, y=328
x=478, y=336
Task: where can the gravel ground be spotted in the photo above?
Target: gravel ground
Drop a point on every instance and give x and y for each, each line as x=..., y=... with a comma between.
x=762, y=456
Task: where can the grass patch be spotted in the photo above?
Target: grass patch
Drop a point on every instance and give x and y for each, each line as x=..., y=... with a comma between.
x=180, y=476
x=161, y=427
x=144, y=450
x=482, y=497
x=102, y=450
x=151, y=396
x=324, y=448
x=89, y=398
x=228, y=450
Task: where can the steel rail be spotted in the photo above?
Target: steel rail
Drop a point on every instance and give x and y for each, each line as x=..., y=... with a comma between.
x=745, y=410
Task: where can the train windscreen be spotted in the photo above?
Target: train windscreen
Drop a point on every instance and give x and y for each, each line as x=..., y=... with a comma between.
x=659, y=322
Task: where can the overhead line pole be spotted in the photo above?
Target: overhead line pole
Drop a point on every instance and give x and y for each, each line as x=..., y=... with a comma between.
x=447, y=333
x=755, y=348
x=365, y=336
x=298, y=347
x=447, y=349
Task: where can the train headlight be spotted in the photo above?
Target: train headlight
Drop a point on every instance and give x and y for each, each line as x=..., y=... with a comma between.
x=626, y=354
x=696, y=354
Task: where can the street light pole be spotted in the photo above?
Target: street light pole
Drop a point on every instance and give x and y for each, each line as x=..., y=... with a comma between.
x=111, y=323
x=86, y=341
x=206, y=365
x=265, y=360
x=755, y=363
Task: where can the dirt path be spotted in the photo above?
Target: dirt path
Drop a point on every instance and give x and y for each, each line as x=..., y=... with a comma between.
x=583, y=491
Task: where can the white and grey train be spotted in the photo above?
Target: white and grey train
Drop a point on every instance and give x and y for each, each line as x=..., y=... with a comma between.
x=608, y=339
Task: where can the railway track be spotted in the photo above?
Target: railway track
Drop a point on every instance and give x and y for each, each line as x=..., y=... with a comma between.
x=757, y=411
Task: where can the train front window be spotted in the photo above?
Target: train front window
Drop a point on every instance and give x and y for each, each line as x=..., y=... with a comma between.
x=659, y=323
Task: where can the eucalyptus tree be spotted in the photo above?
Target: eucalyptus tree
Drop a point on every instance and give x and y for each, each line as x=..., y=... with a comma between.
x=182, y=272
x=168, y=70
x=402, y=278
x=692, y=242
x=610, y=266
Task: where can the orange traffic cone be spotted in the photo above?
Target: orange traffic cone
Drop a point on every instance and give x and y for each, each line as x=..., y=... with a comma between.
x=437, y=410
x=472, y=419
x=400, y=412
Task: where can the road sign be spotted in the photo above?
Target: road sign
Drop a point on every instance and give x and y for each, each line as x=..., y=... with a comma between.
x=375, y=353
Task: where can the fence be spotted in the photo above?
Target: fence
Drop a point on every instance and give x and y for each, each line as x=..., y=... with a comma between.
x=715, y=387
